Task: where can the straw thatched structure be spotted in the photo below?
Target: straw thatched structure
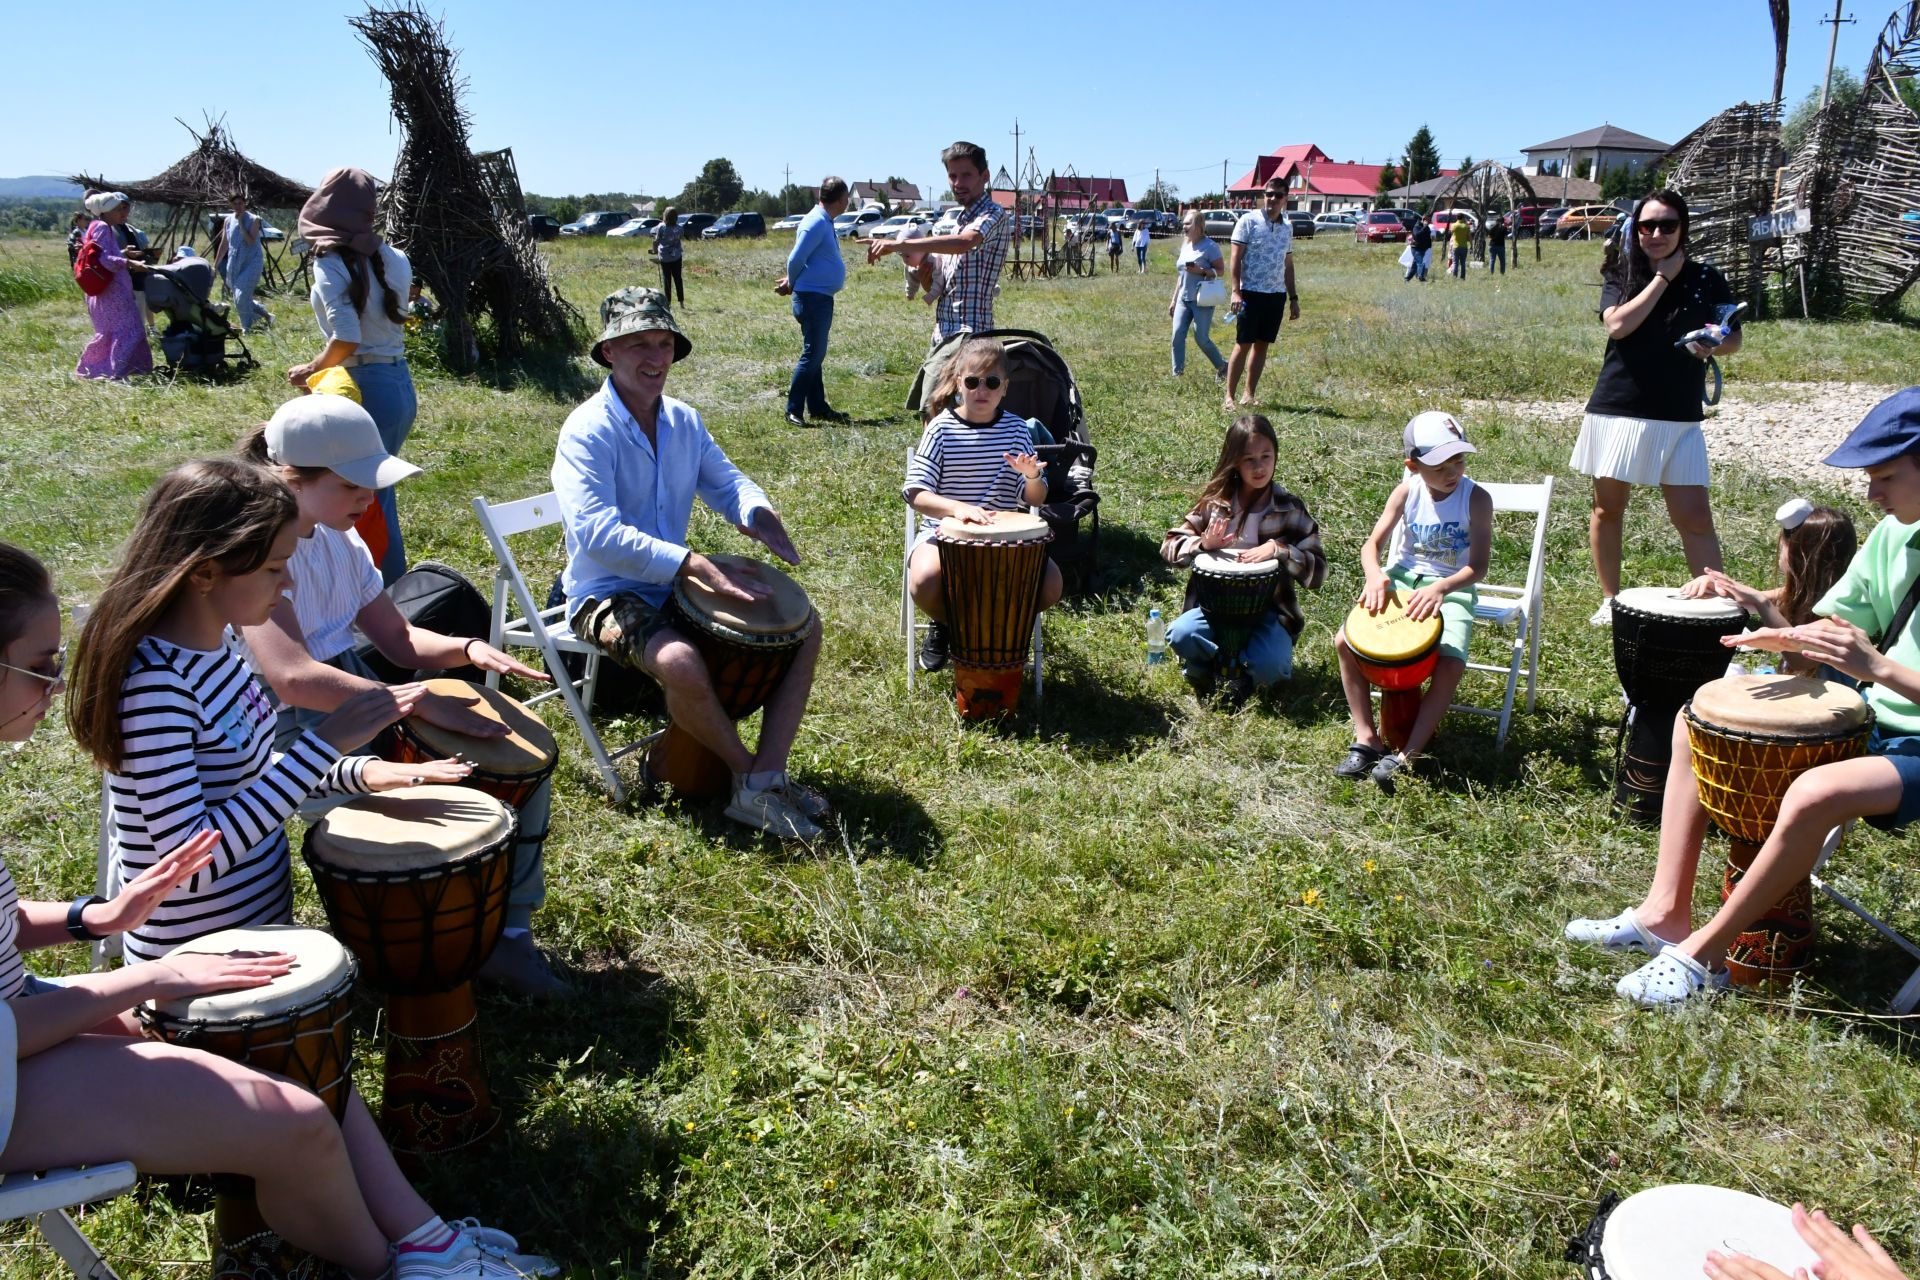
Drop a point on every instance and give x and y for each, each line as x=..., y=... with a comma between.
x=1725, y=169
x=452, y=212
x=1486, y=187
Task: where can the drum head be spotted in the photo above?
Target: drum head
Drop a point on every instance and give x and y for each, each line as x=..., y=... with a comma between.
x=1667, y=602
x=1780, y=706
x=1208, y=562
x=1390, y=636
x=528, y=747
x=1664, y=1233
x=782, y=613
x=1007, y=526
x=411, y=829
x=320, y=964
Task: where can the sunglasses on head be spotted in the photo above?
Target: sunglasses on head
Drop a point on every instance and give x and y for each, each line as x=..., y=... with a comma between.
x=972, y=382
x=1657, y=226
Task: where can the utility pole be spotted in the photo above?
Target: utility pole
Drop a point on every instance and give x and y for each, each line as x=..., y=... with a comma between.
x=1223, y=185
x=785, y=187
x=1159, y=197
x=1833, y=44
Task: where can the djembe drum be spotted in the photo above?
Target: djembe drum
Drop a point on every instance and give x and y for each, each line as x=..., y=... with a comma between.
x=510, y=769
x=748, y=646
x=991, y=574
x=415, y=884
x=1664, y=647
x=1396, y=654
x=1664, y=1233
x=1751, y=737
x=1234, y=595
x=297, y=1026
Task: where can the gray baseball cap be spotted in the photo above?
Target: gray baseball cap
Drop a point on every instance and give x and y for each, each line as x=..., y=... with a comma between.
x=335, y=433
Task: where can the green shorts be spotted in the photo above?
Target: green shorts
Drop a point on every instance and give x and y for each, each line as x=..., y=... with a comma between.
x=1456, y=610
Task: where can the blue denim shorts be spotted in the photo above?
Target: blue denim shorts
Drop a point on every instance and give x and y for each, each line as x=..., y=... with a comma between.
x=1902, y=751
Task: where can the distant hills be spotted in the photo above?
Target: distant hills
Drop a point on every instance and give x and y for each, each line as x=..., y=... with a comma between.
x=38, y=187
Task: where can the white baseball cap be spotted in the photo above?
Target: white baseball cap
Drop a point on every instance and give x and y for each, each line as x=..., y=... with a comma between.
x=335, y=433
x=1433, y=437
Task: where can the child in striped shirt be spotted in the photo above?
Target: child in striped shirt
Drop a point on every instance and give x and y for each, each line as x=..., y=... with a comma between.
x=974, y=458
x=165, y=703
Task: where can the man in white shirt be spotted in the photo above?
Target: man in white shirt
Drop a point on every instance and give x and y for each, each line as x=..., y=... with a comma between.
x=1262, y=272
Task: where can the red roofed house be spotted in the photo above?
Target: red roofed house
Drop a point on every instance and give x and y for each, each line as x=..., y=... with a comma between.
x=1088, y=193
x=1316, y=183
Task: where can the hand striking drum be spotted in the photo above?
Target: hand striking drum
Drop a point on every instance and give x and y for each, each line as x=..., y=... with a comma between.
x=1397, y=655
x=1234, y=595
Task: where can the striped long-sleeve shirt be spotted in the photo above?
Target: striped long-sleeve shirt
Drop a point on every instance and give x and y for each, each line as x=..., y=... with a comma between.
x=13, y=971
x=966, y=463
x=197, y=737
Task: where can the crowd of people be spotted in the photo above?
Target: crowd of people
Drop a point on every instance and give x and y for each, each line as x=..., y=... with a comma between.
x=216, y=687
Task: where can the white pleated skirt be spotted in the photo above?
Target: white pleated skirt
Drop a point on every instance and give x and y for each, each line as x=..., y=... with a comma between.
x=1641, y=450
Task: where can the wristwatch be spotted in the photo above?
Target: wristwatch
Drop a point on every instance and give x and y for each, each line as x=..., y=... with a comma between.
x=76, y=926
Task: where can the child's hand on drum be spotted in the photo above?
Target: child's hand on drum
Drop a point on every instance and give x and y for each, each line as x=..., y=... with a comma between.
x=1843, y=1256
x=1425, y=602
x=384, y=775
x=191, y=973
x=1833, y=641
x=1374, y=597
x=967, y=513
x=1715, y=583
x=1218, y=532
x=366, y=713
x=1266, y=551
x=130, y=908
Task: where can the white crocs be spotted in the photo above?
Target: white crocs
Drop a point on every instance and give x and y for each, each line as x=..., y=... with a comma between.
x=1671, y=978
x=1622, y=933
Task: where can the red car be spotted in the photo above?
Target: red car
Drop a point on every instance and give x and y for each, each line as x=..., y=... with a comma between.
x=1380, y=225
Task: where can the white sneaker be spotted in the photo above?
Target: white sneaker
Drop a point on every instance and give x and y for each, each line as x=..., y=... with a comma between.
x=1603, y=616
x=464, y=1259
x=498, y=1244
x=769, y=811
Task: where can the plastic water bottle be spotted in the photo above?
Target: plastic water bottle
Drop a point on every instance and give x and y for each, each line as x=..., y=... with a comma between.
x=1156, y=638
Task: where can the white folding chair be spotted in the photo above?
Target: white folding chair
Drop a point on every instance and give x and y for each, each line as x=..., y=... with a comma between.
x=43, y=1197
x=544, y=629
x=1909, y=994
x=910, y=627
x=1516, y=607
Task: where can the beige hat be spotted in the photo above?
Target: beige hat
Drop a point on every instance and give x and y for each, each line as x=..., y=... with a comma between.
x=335, y=433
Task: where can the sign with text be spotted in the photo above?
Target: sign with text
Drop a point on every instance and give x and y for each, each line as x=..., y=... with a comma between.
x=1780, y=224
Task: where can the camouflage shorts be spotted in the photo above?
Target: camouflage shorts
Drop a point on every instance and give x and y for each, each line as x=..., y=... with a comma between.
x=621, y=626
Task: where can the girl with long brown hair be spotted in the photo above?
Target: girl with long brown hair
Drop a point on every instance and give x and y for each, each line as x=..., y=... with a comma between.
x=1816, y=545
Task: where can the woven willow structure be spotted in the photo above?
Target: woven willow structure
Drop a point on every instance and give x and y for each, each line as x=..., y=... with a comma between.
x=450, y=211
x=1725, y=169
x=1486, y=187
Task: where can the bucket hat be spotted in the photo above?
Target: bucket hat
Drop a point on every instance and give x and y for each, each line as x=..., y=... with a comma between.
x=635, y=309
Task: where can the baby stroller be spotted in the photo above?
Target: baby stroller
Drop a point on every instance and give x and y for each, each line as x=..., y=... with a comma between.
x=1041, y=388
x=198, y=334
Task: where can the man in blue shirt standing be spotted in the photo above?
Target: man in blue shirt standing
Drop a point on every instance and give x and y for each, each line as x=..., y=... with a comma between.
x=628, y=466
x=815, y=272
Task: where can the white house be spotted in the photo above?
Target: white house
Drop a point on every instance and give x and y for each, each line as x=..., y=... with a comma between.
x=1598, y=150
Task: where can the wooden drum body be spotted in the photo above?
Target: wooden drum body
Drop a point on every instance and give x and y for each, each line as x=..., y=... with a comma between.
x=1234, y=596
x=509, y=769
x=748, y=647
x=415, y=883
x=991, y=575
x=1664, y=647
x=1751, y=736
x=297, y=1026
x=1397, y=655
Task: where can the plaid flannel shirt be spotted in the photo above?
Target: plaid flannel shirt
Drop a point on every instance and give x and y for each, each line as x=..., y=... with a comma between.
x=965, y=282
x=1286, y=521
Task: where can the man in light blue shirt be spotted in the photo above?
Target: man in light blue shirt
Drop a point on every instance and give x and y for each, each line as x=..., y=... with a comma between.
x=815, y=272
x=629, y=464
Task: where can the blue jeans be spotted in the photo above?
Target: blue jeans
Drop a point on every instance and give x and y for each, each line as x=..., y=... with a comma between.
x=1497, y=252
x=1140, y=255
x=1422, y=258
x=807, y=393
x=1200, y=320
x=386, y=392
x=1459, y=264
x=1268, y=655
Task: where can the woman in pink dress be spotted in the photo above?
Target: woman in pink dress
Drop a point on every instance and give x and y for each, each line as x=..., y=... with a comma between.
x=119, y=345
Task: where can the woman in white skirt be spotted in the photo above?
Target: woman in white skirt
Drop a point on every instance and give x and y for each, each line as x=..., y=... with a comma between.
x=1643, y=420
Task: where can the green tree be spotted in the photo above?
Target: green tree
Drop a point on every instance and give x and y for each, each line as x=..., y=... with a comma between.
x=1161, y=195
x=1845, y=91
x=716, y=190
x=795, y=199
x=1423, y=156
x=1466, y=163
x=1627, y=180
x=1389, y=179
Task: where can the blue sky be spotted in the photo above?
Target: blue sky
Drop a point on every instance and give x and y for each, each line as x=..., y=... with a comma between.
x=606, y=96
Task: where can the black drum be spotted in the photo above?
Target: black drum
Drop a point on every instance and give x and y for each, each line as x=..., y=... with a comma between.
x=1664, y=647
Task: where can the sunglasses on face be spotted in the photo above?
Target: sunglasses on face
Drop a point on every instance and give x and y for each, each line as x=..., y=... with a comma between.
x=972, y=382
x=1657, y=226
x=50, y=677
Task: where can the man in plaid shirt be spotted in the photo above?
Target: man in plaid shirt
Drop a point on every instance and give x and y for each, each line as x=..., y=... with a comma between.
x=966, y=264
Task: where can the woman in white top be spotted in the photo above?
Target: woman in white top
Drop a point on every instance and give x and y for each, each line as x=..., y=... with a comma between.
x=360, y=285
x=1199, y=261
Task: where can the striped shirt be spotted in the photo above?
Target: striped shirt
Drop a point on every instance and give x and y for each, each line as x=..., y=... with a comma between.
x=197, y=737
x=966, y=282
x=965, y=463
x=334, y=578
x=13, y=970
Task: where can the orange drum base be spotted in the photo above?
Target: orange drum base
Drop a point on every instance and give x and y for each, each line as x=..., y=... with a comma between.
x=1779, y=944
x=981, y=693
x=437, y=1098
x=1399, y=708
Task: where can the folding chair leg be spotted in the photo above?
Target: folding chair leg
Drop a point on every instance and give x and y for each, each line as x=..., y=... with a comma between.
x=1909, y=994
x=1039, y=661
x=601, y=760
x=1533, y=659
x=74, y=1248
x=1513, y=682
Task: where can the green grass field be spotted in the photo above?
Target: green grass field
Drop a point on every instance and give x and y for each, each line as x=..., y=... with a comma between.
x=1130, y=988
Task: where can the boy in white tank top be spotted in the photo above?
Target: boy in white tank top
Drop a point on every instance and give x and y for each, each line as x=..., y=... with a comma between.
x=1441, y=526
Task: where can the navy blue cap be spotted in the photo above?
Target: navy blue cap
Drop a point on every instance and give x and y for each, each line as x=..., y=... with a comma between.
x=1890, y=430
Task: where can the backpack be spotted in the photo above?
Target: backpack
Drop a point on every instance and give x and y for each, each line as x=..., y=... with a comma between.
x=438, y=598
x=88, y=272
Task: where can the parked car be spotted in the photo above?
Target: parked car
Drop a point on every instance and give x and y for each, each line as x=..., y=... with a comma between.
x=1119, y=215
x=1587, y=220
x=543, y=226
x=1525, y=220
x=1378, y=226
x=790, y=223
x=853, y=222
x=1086, y=224
x=1220, y=222
x=1337, y=222
x=1303, y=227
x=693, y=224
x=742, y=225
x=633, y=227
x=593, y=224
x=866, y=220
x=1549, y=220
x=892, y=227
x=1409, y=218
x=1443, y=220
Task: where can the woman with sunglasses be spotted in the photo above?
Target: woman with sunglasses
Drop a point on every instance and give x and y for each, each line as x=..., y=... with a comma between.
x=974, y=458
x=1643, y=420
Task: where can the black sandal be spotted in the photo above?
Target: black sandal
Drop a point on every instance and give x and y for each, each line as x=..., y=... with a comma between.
x=1359, y=762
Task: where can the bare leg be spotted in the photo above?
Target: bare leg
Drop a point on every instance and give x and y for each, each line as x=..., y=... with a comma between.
x=780, y=721
x=1236, y=365
x=691, y=703
x=1359, y=697
x=173, y=1110
x=1051, y=586
x=923, y=582
x=1256, y=364
x=1604, y=530
x=1692, y=516
x=396, y=1206
x=1818, y=801
x=1667, y=910
x=1434, y=703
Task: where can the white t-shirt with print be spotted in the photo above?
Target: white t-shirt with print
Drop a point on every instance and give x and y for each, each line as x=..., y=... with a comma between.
x=1265, y=248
